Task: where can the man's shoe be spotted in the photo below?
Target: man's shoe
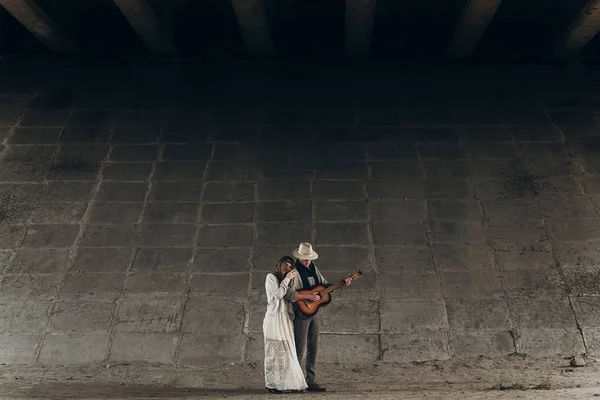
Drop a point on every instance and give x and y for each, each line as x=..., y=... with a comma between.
x=313, y=387
x=275, y=391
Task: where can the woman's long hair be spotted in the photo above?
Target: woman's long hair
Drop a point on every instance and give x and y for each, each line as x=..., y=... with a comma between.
x=278, y=272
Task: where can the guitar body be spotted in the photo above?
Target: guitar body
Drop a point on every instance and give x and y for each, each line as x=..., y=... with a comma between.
x=307, y=308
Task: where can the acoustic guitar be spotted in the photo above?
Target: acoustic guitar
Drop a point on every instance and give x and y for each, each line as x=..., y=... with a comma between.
x=306, y=308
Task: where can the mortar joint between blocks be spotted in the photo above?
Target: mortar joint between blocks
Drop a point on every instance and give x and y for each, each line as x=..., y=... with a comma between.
x=72, y=255
x=490, y=247
x=251, y=270
x=189, y=271
x=134, y=252
x=371, y=248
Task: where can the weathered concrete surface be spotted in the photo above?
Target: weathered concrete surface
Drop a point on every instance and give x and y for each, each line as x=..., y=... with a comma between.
x=137, y=225
x=471, y=27
x=36, y=21
x=143, y=19
x=581, y=31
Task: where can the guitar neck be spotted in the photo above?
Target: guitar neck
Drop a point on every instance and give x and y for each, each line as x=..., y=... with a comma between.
x=333, y=287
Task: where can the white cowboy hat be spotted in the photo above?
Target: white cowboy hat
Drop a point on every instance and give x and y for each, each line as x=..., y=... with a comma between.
x=305, y=252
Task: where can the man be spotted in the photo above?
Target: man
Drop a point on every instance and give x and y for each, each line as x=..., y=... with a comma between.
x=306, y=331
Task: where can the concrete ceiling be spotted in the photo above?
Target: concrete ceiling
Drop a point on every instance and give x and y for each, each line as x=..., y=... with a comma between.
x=475, y=30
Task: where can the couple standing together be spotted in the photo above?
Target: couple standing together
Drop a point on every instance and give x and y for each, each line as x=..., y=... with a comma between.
x=288, y=338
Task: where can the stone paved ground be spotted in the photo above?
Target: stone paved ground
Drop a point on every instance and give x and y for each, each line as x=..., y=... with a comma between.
x=137, y=234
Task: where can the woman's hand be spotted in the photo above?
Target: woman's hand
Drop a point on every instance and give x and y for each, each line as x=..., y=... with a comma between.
x=291, y=275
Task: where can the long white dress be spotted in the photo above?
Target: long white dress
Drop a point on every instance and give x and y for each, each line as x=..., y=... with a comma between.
x=282, y=369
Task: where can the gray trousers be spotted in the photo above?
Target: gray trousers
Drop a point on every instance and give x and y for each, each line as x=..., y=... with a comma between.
x=306, y=335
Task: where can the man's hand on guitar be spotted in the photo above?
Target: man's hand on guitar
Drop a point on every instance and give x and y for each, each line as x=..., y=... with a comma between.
x=304, y=309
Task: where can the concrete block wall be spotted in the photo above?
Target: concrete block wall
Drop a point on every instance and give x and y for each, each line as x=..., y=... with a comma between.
x=137, y=233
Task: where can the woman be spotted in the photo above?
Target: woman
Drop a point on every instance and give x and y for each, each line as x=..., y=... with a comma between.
x=283, y=373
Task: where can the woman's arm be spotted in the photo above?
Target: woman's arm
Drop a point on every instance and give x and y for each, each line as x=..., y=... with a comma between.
x=274, y=289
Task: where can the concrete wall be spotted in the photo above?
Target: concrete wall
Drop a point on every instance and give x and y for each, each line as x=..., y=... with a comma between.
x=142, y=205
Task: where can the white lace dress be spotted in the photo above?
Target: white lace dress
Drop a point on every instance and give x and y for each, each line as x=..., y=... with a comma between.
x=282, y=369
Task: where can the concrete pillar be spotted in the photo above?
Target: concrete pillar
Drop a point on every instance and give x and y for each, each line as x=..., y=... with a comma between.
x=39, y=23
x=253, y=22
x=471, y=27
x=581, y=31
x=144, y=21
x=359, y=19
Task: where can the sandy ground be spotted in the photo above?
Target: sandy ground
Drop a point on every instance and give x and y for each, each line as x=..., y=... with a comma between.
x=482, y=378
x=75, y=392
